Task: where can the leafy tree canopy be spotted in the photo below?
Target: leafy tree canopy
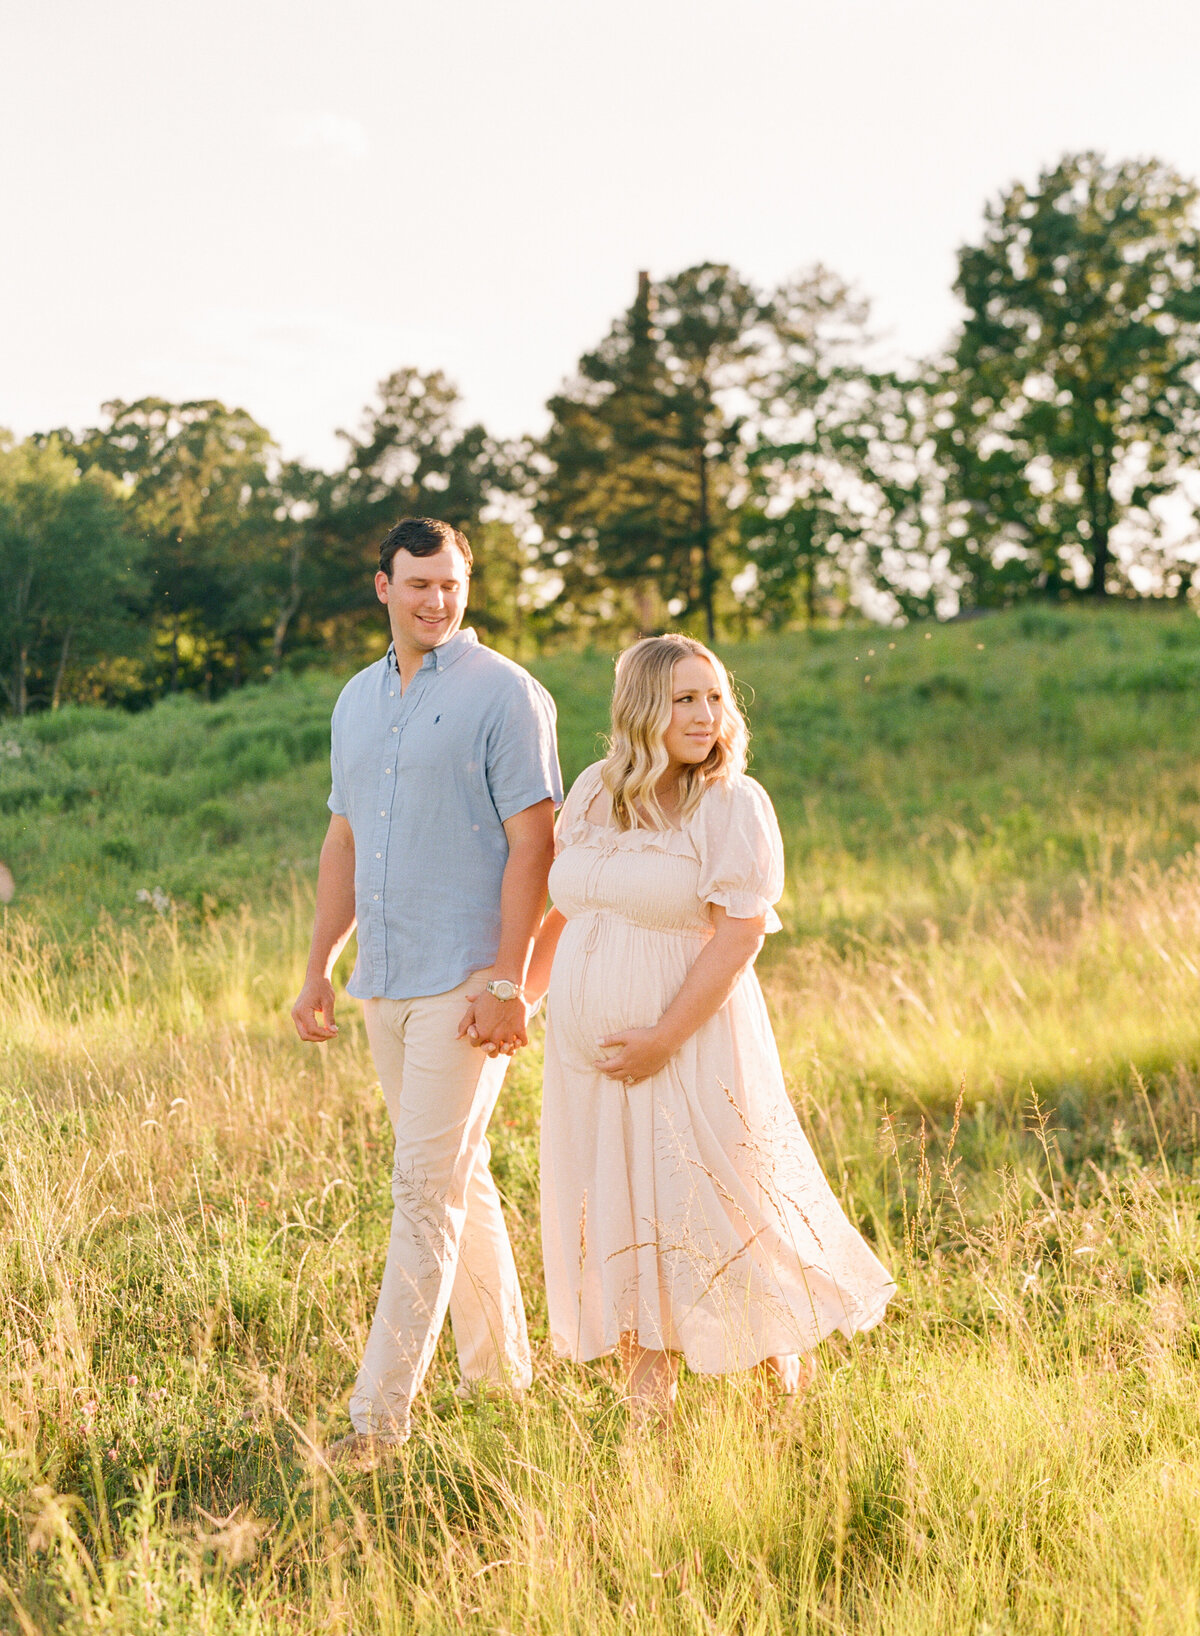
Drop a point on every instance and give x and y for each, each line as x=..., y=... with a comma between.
x=1071, y=401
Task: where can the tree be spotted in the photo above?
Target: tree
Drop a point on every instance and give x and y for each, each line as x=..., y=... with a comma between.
x=843, y=498
x=70, y=568
x=642, y=453
x=1073, y=397
x=708, y=318
x=199, y=483
x=411, y=457
x=288, y=575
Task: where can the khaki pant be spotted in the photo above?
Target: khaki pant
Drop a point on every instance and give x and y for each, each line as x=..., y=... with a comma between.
x=448, y=1245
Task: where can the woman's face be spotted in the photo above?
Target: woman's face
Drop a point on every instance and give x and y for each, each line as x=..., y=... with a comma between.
x=696, y=710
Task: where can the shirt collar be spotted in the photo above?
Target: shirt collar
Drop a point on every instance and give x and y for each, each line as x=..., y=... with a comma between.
x=443, y=656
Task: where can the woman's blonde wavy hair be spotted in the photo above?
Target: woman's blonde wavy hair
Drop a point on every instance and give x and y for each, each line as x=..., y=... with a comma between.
x=641, y=713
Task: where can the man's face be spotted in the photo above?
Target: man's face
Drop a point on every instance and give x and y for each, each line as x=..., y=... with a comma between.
x=426, y=598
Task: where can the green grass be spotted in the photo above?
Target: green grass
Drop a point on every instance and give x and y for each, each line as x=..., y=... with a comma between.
x=987, y=997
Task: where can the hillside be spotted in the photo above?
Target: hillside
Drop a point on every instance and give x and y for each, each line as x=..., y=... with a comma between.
x=916, y=772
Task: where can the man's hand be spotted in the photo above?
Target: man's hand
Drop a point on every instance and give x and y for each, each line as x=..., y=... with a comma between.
x=313, y=1011
x=496, y=1025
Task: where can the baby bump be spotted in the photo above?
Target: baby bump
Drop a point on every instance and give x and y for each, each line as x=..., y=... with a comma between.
x=609, y=974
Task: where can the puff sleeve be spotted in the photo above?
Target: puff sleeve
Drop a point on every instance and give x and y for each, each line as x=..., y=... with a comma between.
x=574, y=809
x=741, y=851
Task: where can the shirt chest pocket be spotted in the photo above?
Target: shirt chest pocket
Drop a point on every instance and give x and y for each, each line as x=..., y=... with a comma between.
x=434, y=742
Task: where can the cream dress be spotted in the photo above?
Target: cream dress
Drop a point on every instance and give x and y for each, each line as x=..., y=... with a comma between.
x=689, y=1208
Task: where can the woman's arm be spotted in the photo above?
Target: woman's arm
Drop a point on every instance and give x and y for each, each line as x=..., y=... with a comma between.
x=712, y=978
x=537, y=978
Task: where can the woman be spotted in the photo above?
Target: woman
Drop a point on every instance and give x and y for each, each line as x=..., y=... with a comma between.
x=683, y=1211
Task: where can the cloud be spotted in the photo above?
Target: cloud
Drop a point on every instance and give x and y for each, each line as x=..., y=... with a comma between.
x=335, y=134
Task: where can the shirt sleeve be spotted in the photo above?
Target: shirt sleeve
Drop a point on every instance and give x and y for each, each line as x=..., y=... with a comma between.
x=741, y=851
x=522, y=755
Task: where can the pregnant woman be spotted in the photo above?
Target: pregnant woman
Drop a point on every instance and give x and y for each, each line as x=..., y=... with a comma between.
x=683, y=1211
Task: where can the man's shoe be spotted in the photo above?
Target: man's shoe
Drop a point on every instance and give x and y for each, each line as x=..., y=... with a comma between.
x=362, y=1451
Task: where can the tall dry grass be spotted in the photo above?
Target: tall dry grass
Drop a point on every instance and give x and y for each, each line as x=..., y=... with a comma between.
x=989, y=1011
x=194, y=1211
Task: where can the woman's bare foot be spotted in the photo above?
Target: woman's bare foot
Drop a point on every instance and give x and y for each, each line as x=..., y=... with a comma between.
x=789, y=1373
x=652, y=1379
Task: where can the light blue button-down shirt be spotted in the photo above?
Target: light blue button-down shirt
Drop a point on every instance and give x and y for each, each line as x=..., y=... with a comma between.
x=427, y=778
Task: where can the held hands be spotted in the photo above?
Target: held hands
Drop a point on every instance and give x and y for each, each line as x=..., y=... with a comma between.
x=495, y=1025
x=313, y=1011
x=640, y=1052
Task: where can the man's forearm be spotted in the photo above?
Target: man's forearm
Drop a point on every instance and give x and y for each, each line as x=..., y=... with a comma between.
x=522, y=904
x=334, y=918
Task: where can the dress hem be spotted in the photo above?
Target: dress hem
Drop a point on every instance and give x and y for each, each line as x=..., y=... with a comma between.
x=787, y=1346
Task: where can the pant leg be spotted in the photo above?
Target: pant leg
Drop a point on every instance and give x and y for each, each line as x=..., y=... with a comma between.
x=440, y=1092
x=485, y=1303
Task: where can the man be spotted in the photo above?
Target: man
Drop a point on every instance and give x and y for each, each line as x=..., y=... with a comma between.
x=445, y=780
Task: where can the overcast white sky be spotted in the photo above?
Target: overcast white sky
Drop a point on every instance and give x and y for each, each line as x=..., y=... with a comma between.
x=277, y=202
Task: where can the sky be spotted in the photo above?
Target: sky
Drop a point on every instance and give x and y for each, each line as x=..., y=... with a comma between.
x=277, y=204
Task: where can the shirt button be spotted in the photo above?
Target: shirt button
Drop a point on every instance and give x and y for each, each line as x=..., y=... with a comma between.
x=379, y=854
x=383, y=812
x=392, y=694
x=377, y=897
x=395, y=729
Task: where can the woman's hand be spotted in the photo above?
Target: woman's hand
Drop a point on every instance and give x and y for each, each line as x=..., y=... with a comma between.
x=640, y=1052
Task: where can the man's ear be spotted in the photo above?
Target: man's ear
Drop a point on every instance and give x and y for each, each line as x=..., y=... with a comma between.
x=382, y=586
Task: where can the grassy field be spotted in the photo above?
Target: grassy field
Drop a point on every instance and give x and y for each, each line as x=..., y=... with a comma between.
x=987, y=996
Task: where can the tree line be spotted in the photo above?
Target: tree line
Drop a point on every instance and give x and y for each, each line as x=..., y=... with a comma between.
x=727, y=459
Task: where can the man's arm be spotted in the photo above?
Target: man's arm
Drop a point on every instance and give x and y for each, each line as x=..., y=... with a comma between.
x=495, y=1023
x=332, y=925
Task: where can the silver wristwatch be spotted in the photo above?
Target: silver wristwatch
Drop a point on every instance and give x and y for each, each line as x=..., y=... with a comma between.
x=503, y=989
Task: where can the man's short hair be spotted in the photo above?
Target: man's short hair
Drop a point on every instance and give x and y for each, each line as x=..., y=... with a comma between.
x=421, y=537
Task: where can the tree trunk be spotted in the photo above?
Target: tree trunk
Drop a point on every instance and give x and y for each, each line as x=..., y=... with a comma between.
x=289, y=605
x=706, y=570
x=56, y=696
x=174, y=685
x=1098, y=501
x=20, y=665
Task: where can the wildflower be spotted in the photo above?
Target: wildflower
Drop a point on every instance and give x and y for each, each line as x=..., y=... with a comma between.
x=158, y=899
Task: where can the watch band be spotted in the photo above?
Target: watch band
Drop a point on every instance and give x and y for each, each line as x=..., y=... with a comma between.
x=503, y=989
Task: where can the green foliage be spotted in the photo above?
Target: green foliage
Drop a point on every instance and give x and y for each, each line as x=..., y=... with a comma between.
x=640, y=458
x=1073, y=401
x=197, y=478
x=843, y=503
x=411, y=457
x=69, y=566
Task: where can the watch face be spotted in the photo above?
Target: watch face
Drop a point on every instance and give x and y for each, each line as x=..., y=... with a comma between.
x=503, y=990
